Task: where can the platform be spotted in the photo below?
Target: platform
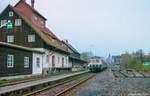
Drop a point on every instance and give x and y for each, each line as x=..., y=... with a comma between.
x=19, y=86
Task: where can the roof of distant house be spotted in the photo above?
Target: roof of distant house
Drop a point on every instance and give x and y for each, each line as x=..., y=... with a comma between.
x=147, y=56
x=96, y=57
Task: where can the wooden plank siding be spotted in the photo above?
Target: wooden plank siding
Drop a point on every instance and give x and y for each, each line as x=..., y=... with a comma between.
x=20, y=32
x=18, y=68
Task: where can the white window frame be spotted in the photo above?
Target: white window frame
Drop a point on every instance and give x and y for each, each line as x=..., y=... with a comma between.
x=11, y=13
x=3, y=23
x=26, y=62
x=10, y=38
x=10, y=61
x=18, y=22
x=38, y=62
x=31, y=38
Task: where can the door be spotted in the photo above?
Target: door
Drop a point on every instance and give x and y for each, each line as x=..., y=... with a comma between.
x=63, y=62
x=53, y=61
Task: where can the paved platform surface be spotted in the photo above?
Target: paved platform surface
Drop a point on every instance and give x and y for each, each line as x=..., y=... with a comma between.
x=36, y=82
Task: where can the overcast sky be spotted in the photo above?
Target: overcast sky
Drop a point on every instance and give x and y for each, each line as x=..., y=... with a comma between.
x=100, y=26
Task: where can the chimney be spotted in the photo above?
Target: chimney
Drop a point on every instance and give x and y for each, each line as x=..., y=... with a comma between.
x=66, y=41
x=32, y=3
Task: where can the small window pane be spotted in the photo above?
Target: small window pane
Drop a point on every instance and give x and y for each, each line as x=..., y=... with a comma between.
x=3, y=23
x=18, y=22
x=38, y=62
x=10, y=61
x=11, y=13
x=31, y=38
x=35, y=18
x=26, y=62
x=10, y=39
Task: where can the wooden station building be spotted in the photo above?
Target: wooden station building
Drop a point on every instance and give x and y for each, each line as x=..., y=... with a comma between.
x=27, y=46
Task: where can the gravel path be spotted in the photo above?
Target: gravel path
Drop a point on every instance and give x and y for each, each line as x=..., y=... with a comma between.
x=104, y=84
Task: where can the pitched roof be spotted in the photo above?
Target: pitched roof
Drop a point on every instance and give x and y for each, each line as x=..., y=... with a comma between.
x=46, y=35
x=71, y=47
x=35, y=11
x=78, y=59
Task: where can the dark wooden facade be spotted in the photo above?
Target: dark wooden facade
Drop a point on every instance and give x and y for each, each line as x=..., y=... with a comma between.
x=18, y=68
x=44, y=38
x=20, y=33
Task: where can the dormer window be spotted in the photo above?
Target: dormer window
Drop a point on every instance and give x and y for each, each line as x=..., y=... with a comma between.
x=42, y=22
x=18, y=22
x=11, y=14
x=35, y=18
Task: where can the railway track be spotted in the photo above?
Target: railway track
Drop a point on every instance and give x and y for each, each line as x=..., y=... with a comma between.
x=25, y=87
x=62, y=87
x=118, y=74
x=129, y=74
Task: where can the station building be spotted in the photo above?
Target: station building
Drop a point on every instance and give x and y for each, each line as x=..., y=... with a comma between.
x=23, y=30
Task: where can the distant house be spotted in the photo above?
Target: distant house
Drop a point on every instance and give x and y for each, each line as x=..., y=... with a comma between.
x=146, y=59
x=116, y=59
x=74, y=58
x=23, y=30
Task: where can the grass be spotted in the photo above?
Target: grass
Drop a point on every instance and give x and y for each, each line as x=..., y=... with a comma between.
x=3, y=81
x=141, y=68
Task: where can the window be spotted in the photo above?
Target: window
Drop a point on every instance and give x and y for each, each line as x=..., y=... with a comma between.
x=10, y=39
x=47, y=59
x=97, y=61
x=18, y=22
x=35, y=18
x=58, y=60
x=42, y=22
x=3, y=23
x=11, y=13
x=38, y=62
x=26, y=62
x=31, y=38
x=10, y=61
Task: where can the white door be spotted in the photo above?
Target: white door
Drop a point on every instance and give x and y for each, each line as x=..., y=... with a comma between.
x=37, y=64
